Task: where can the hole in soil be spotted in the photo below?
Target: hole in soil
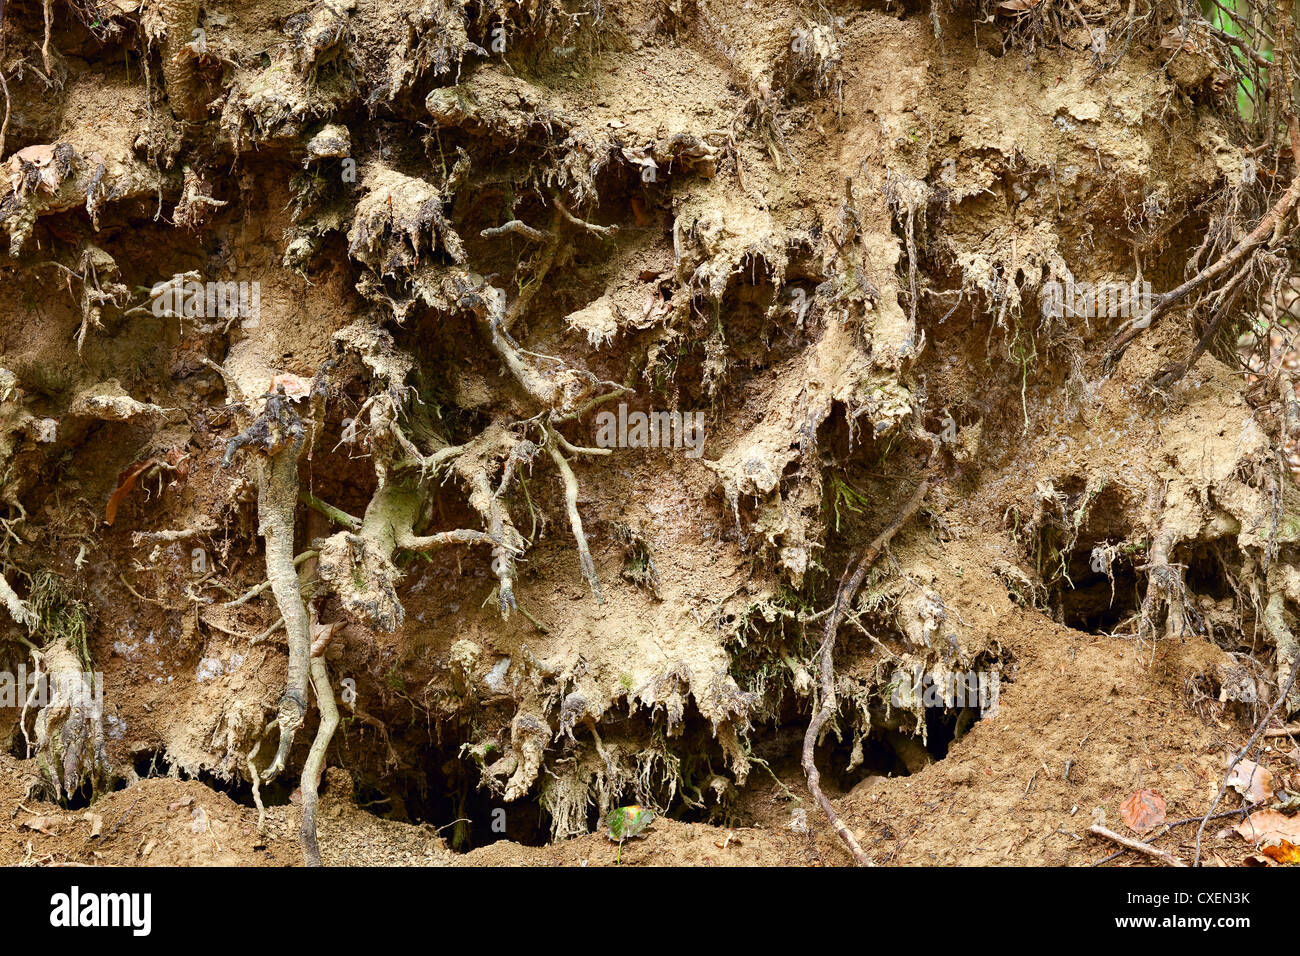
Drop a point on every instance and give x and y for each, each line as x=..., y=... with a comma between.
x=944, y=726
x=1089, y=606
x=448, y=797
x=1205, y=574
x=886, y=752
x=79, y=799
x=154, y=763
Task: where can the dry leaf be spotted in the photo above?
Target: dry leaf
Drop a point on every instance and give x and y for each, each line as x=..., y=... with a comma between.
x=125, y=482
x=1018, y=6
x=42, y=825
x=96, y=823
x=295, y=386
x=173, y=807
x=1143, y=811
x=1269, y=826
x=1252, y=781
x=1284, y=852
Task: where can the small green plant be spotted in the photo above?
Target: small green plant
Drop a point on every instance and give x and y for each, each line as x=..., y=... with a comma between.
x=844, y=495
x=627, y=823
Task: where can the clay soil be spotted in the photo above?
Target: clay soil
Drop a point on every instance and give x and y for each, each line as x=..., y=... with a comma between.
x=826, y=228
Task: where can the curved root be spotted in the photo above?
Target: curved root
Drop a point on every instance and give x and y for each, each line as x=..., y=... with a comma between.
x=843, y=599
x=311, y=770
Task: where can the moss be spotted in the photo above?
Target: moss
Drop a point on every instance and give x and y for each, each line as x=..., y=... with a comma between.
x=59, y=615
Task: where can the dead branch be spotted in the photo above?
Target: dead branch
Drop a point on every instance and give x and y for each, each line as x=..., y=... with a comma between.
x=1164, y=856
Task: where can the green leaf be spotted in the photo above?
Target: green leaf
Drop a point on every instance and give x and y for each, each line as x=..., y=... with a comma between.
x=626, y=823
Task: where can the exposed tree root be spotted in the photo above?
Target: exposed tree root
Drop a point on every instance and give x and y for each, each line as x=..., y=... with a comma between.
x=843, y=599
x=1286, y=646
x=279, y=432
x=179, y=20
x=575, y=519
x=1270, y=229
x=1165, y=591
x=315, y=764
x=17, y=608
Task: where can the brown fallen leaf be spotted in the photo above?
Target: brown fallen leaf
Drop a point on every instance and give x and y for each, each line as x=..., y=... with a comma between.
x=42, y=825
x=1143, y=811
x=125, y=482
x=1253, y=781
x=1018, y=6
x=96, y=823
x=1269, y=826
x=173, y=807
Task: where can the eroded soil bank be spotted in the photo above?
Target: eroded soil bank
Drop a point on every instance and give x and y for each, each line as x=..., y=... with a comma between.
x=333, y=338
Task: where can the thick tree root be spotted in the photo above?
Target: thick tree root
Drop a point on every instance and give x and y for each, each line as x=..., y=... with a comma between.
x=1166, y=590
x=180, y=18
x=311, y=770
x=277, y=496
x=279, y=432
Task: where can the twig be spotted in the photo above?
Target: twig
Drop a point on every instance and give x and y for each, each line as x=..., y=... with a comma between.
x=1169, y=826
x=843, y=598
x=519, y=227
x=1286, y=731
x=1164, y=856
x=1250, y=744
x=249, y=595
